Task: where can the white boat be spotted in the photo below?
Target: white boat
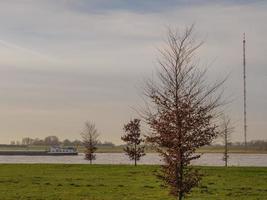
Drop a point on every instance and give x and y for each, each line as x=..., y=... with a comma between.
x=57, y=150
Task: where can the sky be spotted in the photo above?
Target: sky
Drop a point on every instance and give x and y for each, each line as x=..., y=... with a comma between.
x=68, y=61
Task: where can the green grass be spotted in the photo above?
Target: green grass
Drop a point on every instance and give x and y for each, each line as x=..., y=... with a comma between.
x=121, y=182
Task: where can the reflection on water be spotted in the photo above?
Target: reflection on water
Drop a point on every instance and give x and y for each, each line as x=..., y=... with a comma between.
x=210, y=159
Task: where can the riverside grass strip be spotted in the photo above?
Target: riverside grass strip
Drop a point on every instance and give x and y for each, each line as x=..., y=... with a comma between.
x=112, y=182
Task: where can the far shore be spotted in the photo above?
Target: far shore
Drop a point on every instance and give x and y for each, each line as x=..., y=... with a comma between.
x=119, y=149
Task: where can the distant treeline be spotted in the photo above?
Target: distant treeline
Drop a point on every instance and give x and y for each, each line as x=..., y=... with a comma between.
x=253, y=144
x=53, y=141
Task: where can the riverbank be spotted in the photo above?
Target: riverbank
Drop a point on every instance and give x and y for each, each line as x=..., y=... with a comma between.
x=125, y=182
x=36, y=153
x=119, y=149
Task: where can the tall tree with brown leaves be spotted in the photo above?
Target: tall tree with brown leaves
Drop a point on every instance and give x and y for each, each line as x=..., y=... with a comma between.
x=134, y=147
x=181, y=111
x=90, y=139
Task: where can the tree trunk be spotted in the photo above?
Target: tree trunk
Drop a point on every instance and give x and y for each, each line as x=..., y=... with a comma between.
x=181, y=171
x=135, y=154
x=226, y=148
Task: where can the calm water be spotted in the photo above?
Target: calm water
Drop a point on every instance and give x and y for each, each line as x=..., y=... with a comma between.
x=210, y=159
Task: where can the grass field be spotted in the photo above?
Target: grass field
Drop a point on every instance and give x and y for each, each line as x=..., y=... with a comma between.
x=121, y=182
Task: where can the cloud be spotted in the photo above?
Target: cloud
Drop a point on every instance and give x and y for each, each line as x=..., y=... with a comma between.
x=144, y=7
x=86, y=59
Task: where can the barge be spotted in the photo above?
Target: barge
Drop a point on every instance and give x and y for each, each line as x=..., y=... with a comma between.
x=53, y=151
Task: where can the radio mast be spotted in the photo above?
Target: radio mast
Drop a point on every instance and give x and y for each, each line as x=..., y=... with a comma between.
x=245, y=91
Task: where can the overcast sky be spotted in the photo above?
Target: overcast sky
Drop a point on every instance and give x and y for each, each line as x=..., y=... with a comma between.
x=67, y=61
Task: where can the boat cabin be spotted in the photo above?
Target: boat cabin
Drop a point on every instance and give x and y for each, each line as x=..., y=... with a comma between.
x=57, y=149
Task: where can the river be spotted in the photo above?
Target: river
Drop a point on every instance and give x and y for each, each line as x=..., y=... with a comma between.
x=207, y=159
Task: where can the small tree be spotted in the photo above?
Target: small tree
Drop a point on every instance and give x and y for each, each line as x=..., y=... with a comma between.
x=227, y=129
x=90, y=140
x=134, y=148
x=181, y=111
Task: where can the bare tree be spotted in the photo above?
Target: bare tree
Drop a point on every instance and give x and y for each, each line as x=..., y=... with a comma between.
x=90, y=139
x=66, y=142
x=27, y=141
x=134, y=148
x=227, y=129
x=51, y=140
x=182, y=109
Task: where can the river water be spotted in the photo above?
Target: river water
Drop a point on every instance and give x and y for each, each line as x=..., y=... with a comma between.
x=207, y=159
